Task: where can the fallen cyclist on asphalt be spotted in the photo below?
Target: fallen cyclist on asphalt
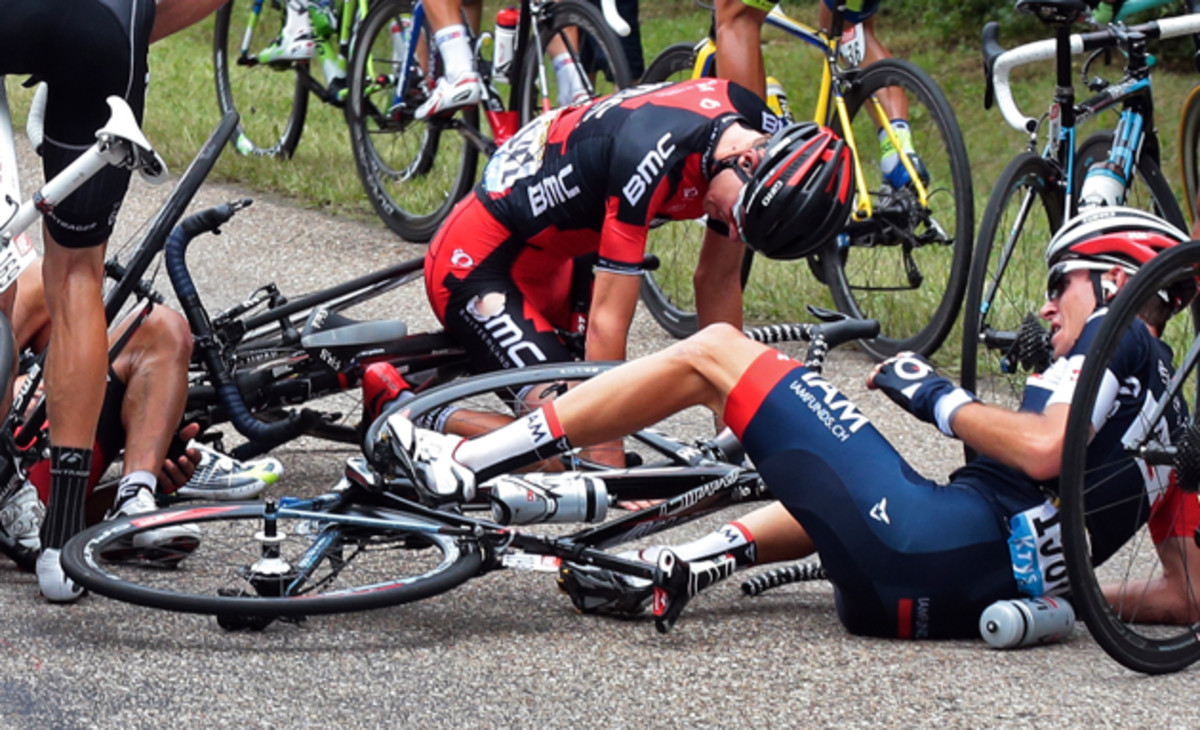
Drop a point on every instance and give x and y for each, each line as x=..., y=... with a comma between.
x=909, y=558
x=144, y=401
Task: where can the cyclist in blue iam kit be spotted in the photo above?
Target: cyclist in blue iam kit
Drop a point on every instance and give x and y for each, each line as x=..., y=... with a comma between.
x=909, y=557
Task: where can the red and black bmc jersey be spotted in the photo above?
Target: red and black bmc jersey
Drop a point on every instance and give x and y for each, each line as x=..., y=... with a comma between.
x=593, y=178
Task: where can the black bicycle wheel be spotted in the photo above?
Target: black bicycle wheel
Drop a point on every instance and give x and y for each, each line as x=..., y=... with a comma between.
x=1189, y=149
x=272, y=101
x=1008, y=280
x=574, y=30
x=1149, y=189
x=906, y=265
x=359, y=567
x=1109, y=574
x=667, y=290
x=413, y=172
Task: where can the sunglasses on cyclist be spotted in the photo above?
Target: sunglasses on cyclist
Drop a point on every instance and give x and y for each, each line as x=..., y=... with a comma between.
x=1056, y=282
x=745, y=172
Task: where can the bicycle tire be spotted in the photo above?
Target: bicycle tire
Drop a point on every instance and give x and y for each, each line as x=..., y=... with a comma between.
x=596, y=49
x=896, y=267
x=412, y=172
x=228, y=544
x=1189, y=149
x=1144, y=647
x=1156, y=197
x=272, y=109
x=1008, y=279
x=667, y=291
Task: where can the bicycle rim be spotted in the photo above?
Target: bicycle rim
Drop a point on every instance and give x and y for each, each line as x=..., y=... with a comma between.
x=906, y=265
x=272, y=102
x=1189, y=148
x=1008, y=277
x=413, y=172
x=360, y=567
x=1111, y=596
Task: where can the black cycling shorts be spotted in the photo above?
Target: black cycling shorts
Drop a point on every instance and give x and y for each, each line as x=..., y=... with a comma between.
x=86, y=51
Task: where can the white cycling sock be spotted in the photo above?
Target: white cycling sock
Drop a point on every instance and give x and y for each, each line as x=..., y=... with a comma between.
x=454, y=45
x=732, y=538
x=567, y=73
x=525, y=441
x=129, y=485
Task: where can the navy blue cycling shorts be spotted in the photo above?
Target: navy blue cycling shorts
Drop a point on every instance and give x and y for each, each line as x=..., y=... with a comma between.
x=909, y=558
x=85, y=51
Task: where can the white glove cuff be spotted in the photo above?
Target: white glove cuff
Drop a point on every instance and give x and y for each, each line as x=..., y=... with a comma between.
x=948, y=405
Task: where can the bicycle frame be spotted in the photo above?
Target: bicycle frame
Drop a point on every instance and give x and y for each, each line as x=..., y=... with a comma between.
x=349, y=12
x=831, y=103
x=1064, y=114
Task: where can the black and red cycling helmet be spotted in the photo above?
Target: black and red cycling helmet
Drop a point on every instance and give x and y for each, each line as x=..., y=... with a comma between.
x=799, y=195
x=1100, y=238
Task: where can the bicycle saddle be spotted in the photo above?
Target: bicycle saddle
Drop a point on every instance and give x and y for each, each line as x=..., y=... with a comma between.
x=122, y=125
x=344, y=337
x=1055, y=12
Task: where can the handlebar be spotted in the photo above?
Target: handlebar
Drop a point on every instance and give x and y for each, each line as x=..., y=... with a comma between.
x=228, y=394
x=613, y=17
x=999, y=66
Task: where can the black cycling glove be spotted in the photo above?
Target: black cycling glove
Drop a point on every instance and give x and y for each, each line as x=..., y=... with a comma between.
x=910, y=381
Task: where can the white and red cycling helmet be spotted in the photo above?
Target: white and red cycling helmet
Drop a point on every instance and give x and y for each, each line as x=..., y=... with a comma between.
x=1100, y=238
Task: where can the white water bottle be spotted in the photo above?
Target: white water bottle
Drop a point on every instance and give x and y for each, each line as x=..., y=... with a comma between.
x=539, y=498
x=1026, y=621
x=506, y=40
x=1103, y=185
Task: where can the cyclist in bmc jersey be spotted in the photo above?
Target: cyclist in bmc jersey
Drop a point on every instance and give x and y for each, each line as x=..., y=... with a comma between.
x=86, y=51
x=591, y=180
x=908, y=557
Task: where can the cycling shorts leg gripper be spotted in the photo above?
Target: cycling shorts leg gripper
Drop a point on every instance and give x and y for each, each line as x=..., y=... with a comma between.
x=911, y=558
x=101, y=52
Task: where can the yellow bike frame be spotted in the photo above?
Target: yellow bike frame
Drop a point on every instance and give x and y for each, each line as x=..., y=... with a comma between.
x=707, y=48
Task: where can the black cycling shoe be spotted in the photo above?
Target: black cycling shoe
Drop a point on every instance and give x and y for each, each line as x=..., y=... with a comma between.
x=676, y=581
x=601, y=591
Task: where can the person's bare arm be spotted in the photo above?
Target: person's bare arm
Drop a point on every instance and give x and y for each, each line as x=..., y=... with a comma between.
x=1031, y=442
x=718, y=281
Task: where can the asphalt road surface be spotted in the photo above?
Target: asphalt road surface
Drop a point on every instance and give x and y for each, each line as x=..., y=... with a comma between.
x=507, y=650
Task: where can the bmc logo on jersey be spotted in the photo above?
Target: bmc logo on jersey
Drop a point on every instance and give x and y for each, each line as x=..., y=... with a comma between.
x=770, y=122
x=551, y=191
x=653, y=163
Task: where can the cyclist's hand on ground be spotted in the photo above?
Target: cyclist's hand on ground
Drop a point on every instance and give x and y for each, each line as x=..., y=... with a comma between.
x=176, y=472
x=912, y=383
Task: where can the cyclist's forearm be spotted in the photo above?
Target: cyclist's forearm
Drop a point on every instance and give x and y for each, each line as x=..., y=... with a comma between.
x=718, y=282
x=175, y=15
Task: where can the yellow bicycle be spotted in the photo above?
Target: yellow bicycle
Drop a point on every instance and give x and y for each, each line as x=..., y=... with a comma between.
x=904, y=254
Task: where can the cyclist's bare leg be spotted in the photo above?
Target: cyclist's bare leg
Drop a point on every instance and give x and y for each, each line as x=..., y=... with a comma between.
x=77, y=356
x=1170, y=598
x=700, y=370
x=153, y=365
x=739, y=50
x=894, y=101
